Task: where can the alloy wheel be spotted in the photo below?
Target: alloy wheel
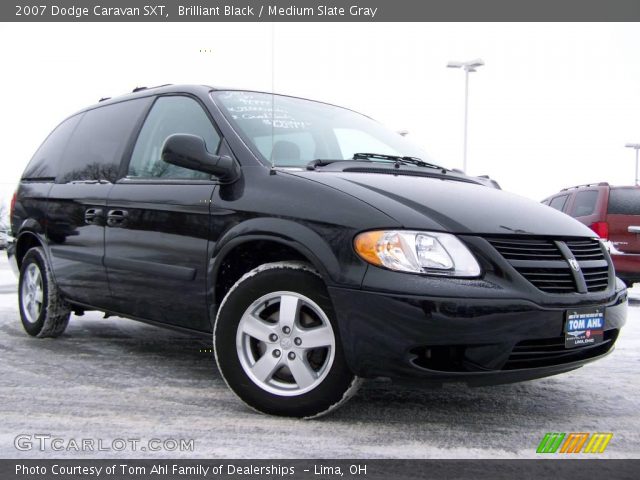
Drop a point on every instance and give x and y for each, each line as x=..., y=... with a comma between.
x=32, y=293
x=285, y=343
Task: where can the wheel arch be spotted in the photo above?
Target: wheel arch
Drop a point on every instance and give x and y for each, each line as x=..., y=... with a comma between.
x=260, y=241
x=26, y=240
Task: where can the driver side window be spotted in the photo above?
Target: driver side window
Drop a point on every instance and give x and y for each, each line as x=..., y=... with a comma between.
x=170, y=115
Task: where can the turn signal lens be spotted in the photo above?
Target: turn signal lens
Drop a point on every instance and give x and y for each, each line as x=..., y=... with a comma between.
x=417, y=252
x=366, y=245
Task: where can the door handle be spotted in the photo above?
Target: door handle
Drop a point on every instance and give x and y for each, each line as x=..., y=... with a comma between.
x=633, y=229
x=91, y=215
x=117, y=218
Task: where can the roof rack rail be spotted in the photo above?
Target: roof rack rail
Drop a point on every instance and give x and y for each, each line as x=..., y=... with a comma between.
x=138, y=89
x=103, y=99
x=599, y=184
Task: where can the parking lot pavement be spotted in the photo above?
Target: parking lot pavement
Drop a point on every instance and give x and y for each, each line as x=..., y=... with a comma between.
x=114, y=379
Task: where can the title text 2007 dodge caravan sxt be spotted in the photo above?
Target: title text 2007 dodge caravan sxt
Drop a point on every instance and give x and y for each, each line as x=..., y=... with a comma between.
x=316, y=246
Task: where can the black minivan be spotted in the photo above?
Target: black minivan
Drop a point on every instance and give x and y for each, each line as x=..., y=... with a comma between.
x=316, y=246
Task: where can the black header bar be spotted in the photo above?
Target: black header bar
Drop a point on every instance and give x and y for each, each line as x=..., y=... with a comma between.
x=356, y=469
x=319, y=10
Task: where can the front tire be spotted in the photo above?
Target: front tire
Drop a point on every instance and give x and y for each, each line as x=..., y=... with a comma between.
x=277, y=343
x=42, y=311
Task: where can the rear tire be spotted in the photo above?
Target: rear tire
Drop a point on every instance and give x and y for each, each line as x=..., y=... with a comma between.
x=42, y=311
x=277, y=344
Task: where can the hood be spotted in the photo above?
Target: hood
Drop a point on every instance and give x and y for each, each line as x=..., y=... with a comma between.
x=452, y=206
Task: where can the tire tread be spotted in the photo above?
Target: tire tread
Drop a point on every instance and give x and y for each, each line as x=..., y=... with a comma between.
x=56, y=310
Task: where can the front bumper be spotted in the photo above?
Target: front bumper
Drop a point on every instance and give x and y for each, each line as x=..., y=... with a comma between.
x=479, y=341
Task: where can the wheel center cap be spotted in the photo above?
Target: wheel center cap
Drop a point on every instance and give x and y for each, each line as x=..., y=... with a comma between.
x=286, y=343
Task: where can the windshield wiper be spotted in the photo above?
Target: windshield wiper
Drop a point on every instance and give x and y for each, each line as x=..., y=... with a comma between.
x=371, y=157
x=322, y=162
x=398, y=160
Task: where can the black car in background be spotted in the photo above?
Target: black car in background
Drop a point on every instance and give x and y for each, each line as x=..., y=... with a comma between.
x=315, y=245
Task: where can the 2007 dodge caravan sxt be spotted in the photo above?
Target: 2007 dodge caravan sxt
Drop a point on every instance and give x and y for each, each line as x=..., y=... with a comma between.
x=317, y=247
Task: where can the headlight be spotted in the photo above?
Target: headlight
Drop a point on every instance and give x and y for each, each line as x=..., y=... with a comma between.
x=417, y=252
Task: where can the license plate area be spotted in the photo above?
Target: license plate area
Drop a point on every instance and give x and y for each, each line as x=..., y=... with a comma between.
x=583, y=327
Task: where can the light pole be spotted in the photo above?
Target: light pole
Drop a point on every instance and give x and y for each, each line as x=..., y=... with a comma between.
x=468, y=67
x=636, y=147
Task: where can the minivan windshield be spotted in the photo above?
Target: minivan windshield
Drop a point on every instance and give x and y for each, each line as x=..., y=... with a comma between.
x=291, y=132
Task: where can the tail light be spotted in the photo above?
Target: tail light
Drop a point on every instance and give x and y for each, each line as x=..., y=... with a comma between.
x=12, y=206
x=601, y=228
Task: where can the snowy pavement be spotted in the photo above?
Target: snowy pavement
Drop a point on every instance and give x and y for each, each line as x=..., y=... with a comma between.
x=117, y=379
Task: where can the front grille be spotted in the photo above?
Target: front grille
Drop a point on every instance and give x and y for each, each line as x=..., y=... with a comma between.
x=586, y=249
x=545, y=263
x=597, y=279
x=551, y=351
x=552, y=280
x=527, y=249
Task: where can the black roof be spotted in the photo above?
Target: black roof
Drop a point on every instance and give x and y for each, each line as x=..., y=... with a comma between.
x=140, y=92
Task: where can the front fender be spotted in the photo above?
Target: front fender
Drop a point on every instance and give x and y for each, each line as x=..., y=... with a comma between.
x=301, y=238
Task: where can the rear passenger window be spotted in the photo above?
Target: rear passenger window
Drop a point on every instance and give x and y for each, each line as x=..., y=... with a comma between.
x=624, y=201
x=97, y=145
x=170, y=115
x=45, y=162
x=585, y=203
x=558, y=202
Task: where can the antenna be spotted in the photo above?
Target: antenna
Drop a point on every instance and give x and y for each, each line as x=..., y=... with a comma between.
x=273, y=98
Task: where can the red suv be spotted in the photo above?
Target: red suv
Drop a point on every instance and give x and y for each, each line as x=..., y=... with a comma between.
x=611, y=212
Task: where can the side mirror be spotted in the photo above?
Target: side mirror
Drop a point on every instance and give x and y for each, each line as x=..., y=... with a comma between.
x=190, y=151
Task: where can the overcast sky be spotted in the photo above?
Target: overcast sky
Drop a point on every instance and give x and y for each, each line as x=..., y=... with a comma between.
x=553, y=107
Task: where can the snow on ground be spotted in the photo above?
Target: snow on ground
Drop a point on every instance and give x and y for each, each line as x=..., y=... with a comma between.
x=118, y=379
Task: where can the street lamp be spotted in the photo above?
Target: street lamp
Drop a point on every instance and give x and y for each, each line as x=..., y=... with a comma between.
x=636, y=147
x=468, y=67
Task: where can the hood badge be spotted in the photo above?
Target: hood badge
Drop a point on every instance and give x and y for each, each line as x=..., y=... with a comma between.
x=574, y=264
